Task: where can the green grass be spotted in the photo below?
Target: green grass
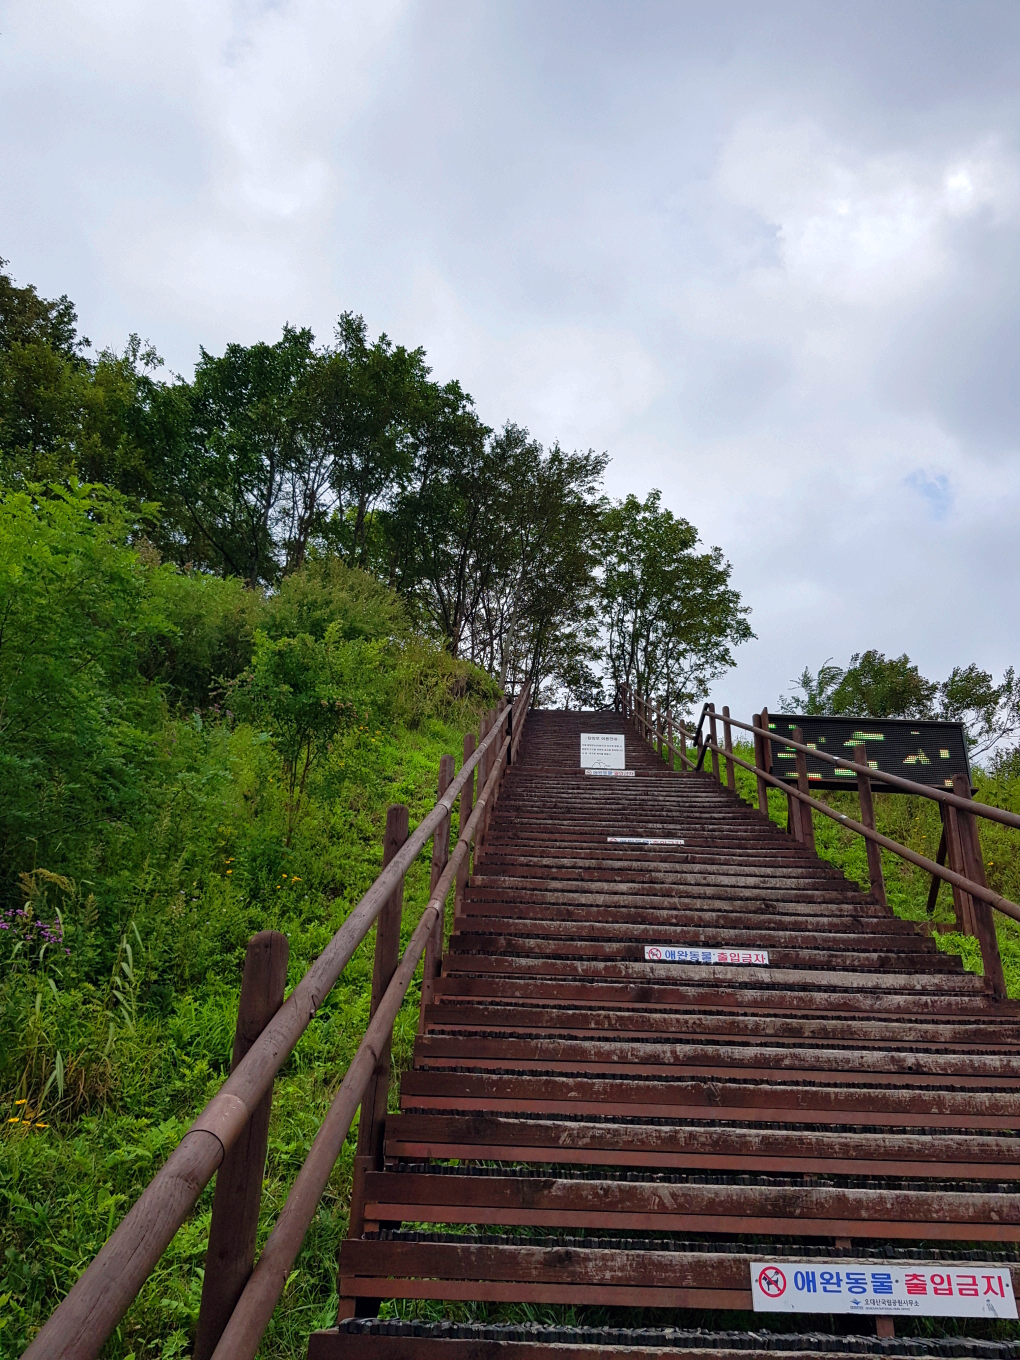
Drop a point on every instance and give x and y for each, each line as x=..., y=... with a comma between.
x=63, y=1188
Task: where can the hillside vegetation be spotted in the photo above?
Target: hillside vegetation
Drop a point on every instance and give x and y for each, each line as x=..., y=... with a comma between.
x=169, y=818
x=240, y=614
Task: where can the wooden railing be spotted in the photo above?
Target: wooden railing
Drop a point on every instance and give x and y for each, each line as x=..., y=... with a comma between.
x=973, y=900
x=229, y=1136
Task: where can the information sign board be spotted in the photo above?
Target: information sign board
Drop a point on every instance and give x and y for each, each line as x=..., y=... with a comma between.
x=926, y=752
x=602, y=751
x=841, y=1286
x=668, y=953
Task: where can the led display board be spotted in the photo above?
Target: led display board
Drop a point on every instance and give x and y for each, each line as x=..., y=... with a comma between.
x=926, y=752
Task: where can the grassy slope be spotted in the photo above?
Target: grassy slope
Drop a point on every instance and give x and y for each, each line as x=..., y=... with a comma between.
x=65, y=1187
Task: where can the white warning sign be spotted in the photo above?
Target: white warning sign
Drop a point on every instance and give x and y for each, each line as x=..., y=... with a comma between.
x=937, y=1290
x=668, y=953
x=643, y=840
x=602, y=751
x=612, y=774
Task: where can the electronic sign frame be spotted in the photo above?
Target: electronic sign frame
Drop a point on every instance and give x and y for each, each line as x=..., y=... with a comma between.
x=926, y=752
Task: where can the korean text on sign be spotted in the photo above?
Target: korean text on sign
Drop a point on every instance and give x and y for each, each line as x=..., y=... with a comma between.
x=667, y=953
x=862, y=1287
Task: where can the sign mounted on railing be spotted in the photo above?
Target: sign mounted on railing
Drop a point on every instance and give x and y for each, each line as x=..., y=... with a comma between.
x=602, y=751
x=926, y=752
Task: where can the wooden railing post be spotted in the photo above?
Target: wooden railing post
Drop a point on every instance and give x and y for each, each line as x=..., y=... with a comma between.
x=669, y=739
x=759, y=760
x=731, y=778
x=484, y=767
x=807, y=826
x=868, y=819
x=684, y=762
x=440, y=856
x=714, y=735
x=467, y=802
x=371, y=1126
x=658, y=728
x=984, y=922
x=491, y=758
x=962, y=901
x=238, y=1195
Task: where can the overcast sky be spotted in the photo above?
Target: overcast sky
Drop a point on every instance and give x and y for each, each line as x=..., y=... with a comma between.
x=765, y=254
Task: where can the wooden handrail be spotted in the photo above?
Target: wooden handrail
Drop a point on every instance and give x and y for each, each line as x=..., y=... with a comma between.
x=249, y=1320
x=801, y=803
x=88, y=1315
x=986, y=810
x=976, y=889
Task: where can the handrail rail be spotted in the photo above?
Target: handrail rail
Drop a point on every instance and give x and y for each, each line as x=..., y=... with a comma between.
x=986, y=810
x=92, y=1309
x=960, y=834
x=638, y=703
x=243, y=1332
x=972, y=886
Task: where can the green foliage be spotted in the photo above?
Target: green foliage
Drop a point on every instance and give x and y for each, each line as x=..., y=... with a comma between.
x=293, y=688
x=671, y=614
x=876, y=687
x=239, y=616
x=151, y=841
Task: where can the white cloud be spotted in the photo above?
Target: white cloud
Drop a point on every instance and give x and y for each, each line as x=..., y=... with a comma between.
x=767, y=261
x=856, y=228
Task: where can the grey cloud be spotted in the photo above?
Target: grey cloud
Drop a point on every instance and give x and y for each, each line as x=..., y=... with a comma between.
x=764, y=254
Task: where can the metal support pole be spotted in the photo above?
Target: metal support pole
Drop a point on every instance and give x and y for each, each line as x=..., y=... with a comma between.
x=867, y=803
x=714, y=737
x=731, y=778
x=759, y=760
x=807, y=826
x=440, y=856
x=940, y=858
x=984, y=922
x=235, y=1213
x=371, y=1127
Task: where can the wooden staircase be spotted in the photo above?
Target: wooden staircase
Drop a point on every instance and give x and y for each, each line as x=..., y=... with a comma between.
x=585, y=1134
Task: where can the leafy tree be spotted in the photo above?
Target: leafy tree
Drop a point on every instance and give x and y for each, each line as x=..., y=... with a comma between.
x=356, y=411
x=670, y=615
x=538, y=610
x=875, y=686
x=26, y=318
x=228, y=454
x=440, y=534
x=292, y=689
x=990, y=712
x=63, y=414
